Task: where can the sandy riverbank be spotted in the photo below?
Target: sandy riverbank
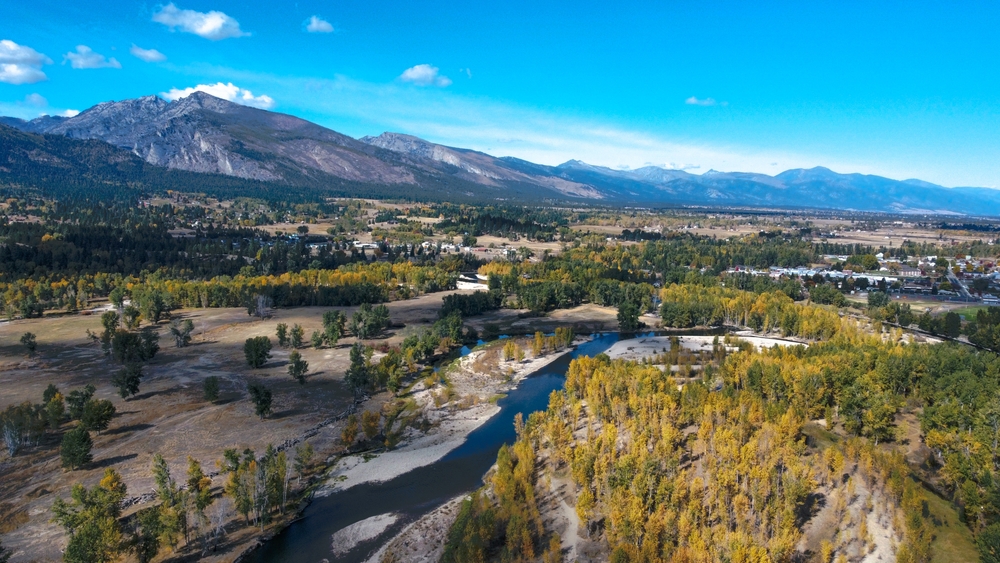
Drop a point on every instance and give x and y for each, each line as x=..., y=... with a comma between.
x=644, y=347
x=451, y=424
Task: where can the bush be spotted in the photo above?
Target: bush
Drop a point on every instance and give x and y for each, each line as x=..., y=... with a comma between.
x=257, y=351
x=75, y=448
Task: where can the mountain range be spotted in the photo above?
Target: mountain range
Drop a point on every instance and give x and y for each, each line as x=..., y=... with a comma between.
x=205, y=135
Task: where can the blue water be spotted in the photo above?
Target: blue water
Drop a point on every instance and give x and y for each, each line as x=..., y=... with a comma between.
x=418, y=492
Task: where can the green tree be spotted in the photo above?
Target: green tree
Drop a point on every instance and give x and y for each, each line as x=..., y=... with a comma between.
x=296, y=335
x=75, y=448
x=29, y=343
x=988, y=543
x=261, y=398
x=91, y=519
x=303, y=458
x=210, y=388
x=358, y=375
x=55, y=411
x=257, y=351
x=77, y=400
x=877, y=299
x=97, y=415
x=297, y=367
x=316, y=339
x=127, y=379
x=282, y=333
x=952, y=324
x=628, y=317
x=130, y=317
x=333, y=326
x=144, y=537
x=50, y=391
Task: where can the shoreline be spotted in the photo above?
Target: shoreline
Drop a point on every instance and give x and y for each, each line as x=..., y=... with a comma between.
x=452, y=427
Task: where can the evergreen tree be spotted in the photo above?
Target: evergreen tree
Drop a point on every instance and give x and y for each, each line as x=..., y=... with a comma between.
x=75, y=448
x=261, y=398
x=297, y=367
x=257, y=351
x=210, y=388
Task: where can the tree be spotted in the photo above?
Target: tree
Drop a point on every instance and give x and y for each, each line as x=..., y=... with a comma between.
x=127, y=379
x=261, y=398
x=29, y=343
x=77, y=400
x=91, y=519
x=173, y=512
x=538, y=344
x=55, y=411
x=297, y=367
x=50, y=391
x=257, y=351
x=303, y=458
x=181, y=331
x=295, y=336
x=75, y=448
x=358, y=377
x=144, y=537
x=97, y=415
x=369, y=321
x=877, y=299
x=199, y=487
x=316, y=339
x=628, y=317
x=210, y=388
x=988, y=543
x=350, y=431
x=130, y=317
x=333, y=326
x=370, y=423
x=282, y=333
x=952, y=324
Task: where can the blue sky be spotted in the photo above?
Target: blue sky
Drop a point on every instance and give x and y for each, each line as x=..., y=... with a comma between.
x=905, y=90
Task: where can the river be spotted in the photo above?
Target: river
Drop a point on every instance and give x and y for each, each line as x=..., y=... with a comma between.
x=420, y=491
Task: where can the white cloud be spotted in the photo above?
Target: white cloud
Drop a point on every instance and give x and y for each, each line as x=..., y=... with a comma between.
x=228, y=91
x=425, y=75
x=70, y=113
x=212, y=25
x=316, y=24
x=20, y=64
x=84, y=57
x=693, y=101
x=148, y=55
x=36, y=100
x=677, y=166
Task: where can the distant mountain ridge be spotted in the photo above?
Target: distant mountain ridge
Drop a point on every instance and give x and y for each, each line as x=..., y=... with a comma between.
x=204, y=134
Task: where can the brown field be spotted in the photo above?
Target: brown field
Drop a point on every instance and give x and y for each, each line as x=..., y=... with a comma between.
x=169, y=415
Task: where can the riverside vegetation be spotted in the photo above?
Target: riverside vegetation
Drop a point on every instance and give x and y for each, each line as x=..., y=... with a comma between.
x=728, y=467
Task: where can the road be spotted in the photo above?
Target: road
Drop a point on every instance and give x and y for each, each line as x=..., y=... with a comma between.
x=962, y=290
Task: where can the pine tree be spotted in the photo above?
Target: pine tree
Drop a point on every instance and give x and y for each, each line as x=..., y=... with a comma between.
x=75, y=448
x=297, y=367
